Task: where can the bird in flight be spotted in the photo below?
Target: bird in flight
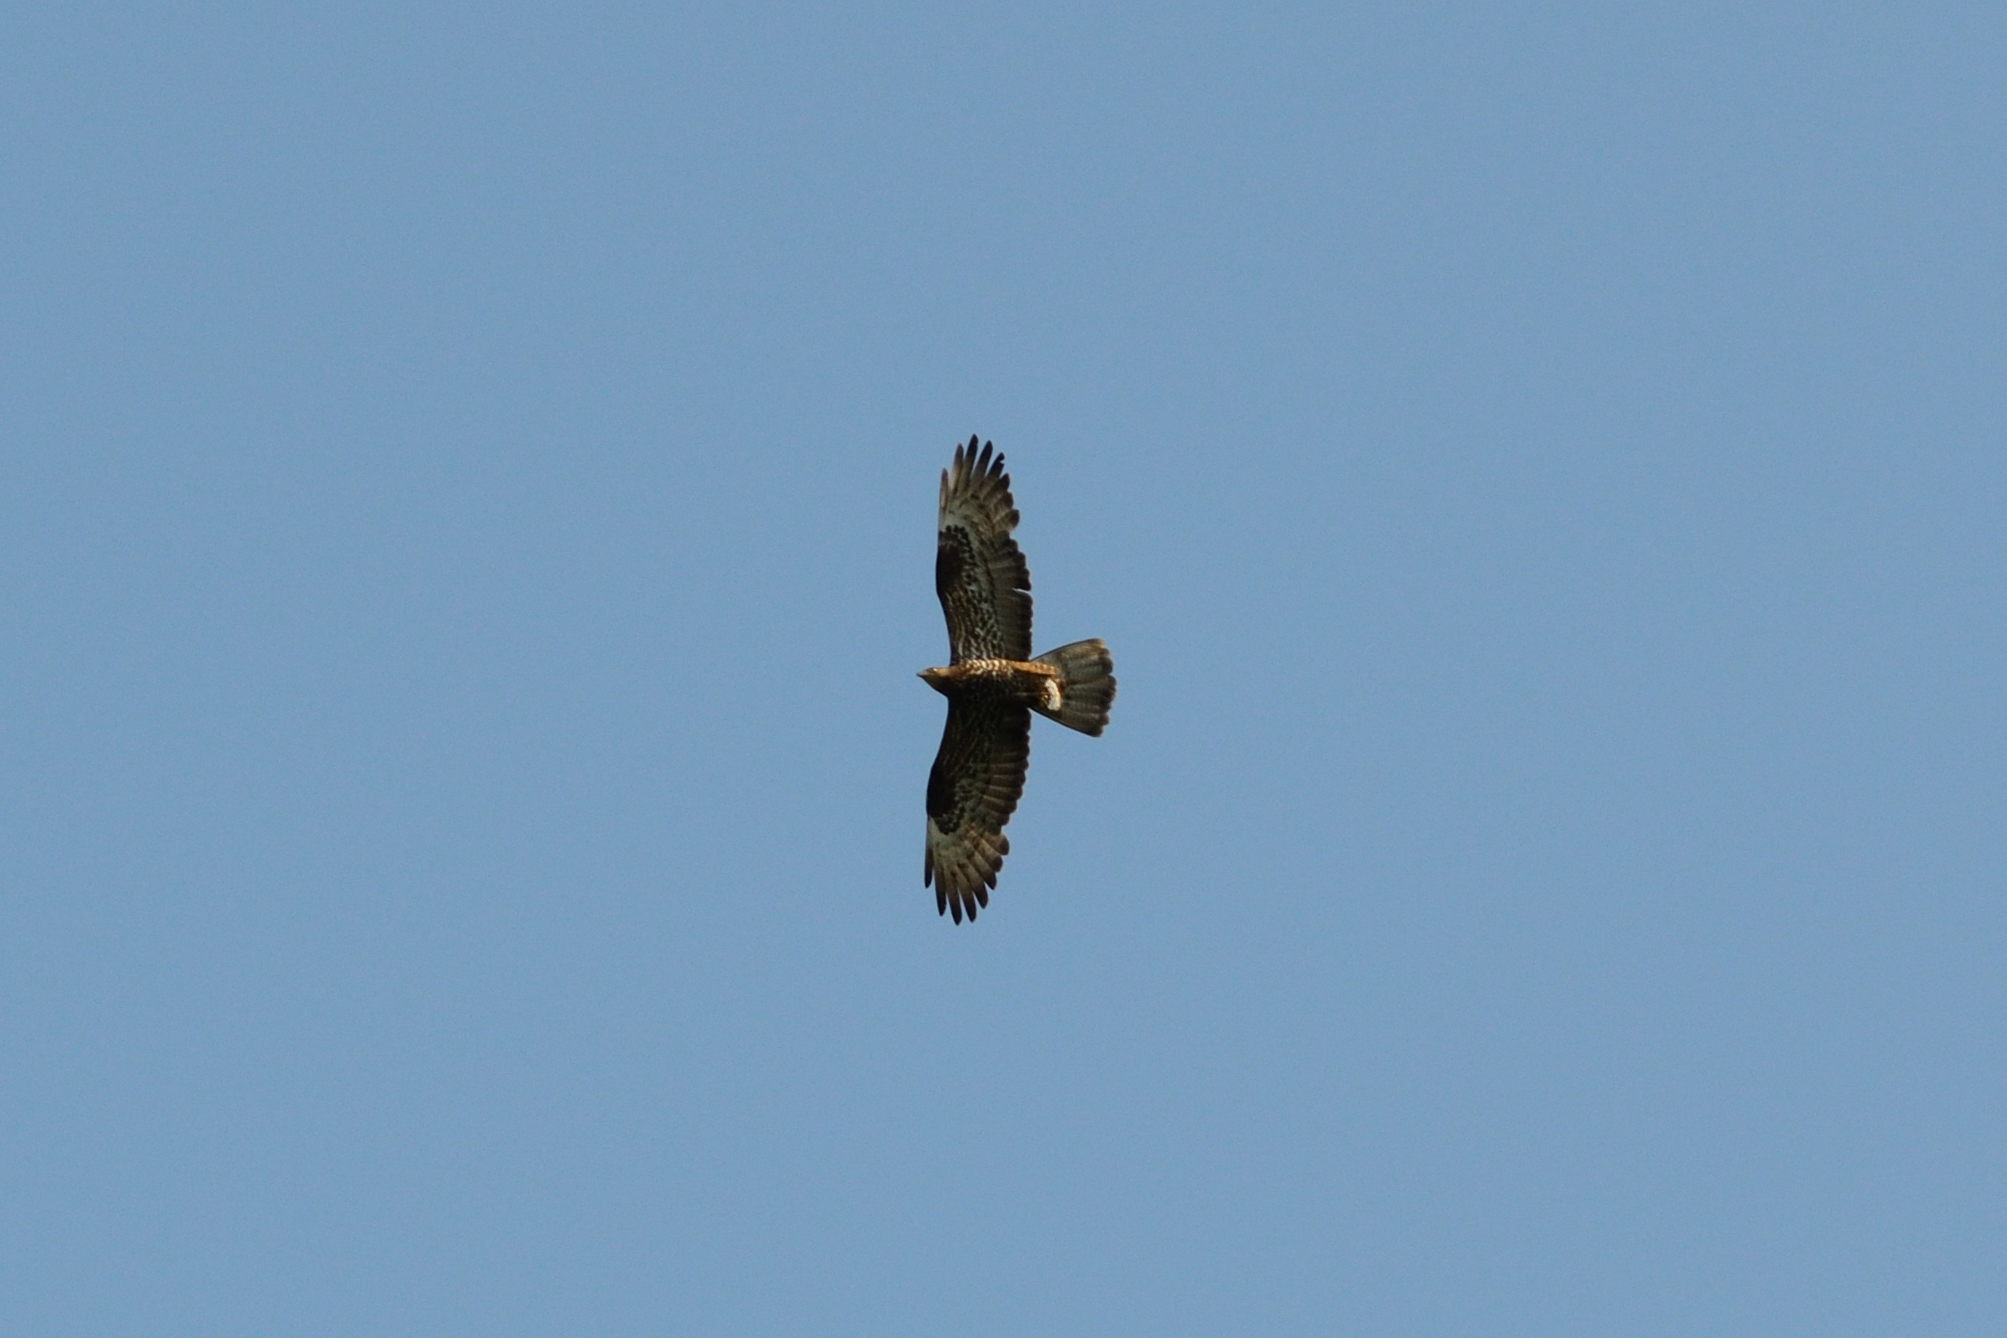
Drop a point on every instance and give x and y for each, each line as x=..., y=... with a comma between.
x=991, y=682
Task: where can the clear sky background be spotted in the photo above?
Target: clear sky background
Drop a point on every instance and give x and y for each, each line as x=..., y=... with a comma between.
x=467, y=509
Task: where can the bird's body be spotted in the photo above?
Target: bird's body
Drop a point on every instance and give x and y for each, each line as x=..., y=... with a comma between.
x=1004, y=682
x=992, y=683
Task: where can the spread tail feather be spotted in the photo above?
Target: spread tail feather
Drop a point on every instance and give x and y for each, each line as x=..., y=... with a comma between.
x=1086, y=685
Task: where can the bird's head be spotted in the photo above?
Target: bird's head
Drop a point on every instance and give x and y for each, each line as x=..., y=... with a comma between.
x=937, y=679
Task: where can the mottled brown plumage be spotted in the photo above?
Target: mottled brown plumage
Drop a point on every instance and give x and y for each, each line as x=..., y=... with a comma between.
x=991, y=682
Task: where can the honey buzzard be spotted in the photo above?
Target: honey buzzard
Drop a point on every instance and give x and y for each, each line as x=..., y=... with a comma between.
x=991, y=682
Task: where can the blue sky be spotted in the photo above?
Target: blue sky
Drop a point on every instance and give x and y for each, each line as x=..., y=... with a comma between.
x=466, y=527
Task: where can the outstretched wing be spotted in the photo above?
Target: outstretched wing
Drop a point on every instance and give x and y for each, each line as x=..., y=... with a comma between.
x=977, y=778
x=978, y=572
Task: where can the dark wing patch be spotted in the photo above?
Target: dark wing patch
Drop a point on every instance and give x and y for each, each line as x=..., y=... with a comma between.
x=979, y=573
x=971, y=793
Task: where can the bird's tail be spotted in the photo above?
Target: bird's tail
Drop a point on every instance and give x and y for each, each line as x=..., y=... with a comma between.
x=1086, y=685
